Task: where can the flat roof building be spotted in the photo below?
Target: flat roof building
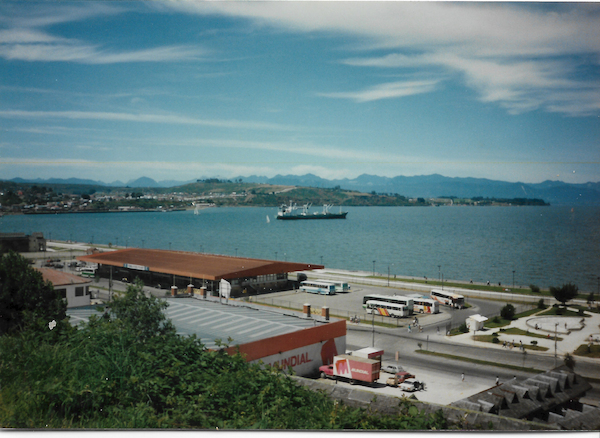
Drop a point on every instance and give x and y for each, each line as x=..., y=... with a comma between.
x=162, y=268
x=285, y=340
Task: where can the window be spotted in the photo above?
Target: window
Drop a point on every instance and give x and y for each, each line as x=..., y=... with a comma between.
x=79, y=291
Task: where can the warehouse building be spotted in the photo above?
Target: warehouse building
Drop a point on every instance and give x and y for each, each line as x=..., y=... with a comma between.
x=21, y=242
x=164, y=269
x=296, y=340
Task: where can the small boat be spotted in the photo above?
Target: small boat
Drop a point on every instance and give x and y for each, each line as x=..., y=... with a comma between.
x=289, y=212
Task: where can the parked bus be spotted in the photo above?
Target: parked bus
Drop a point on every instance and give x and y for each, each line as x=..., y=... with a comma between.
x=448, y=298
x=425, y=305
x=318, y=287
x=88, y=272
x=404, y=302
x=386, y=308
x=341, y=286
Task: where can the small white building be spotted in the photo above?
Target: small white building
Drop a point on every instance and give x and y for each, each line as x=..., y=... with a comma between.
x=475, y=322
x=74, y=289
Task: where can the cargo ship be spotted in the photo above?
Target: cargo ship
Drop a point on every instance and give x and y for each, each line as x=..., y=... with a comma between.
x=292, y=212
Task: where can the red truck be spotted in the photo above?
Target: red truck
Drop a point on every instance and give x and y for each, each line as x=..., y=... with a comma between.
x=352, y=368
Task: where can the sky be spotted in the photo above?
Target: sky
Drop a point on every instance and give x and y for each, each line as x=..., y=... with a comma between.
x=181, y=90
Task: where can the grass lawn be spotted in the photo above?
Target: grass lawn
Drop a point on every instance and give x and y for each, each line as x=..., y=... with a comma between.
x=518, y=331
x=582, y=350
x=498, y=321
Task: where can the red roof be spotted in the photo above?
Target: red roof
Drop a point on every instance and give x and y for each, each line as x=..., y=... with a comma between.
x=196, y=265
x=59, y=278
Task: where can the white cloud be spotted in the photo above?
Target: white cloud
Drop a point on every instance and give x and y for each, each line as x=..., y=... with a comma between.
x=24, y=40
x=521, y=56
x=387, y=90
x=141, y=118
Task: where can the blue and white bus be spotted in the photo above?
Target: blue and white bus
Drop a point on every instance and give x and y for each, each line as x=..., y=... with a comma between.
x=318, y=287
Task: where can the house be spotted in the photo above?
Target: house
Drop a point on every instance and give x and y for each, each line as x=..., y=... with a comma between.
x=73, y=288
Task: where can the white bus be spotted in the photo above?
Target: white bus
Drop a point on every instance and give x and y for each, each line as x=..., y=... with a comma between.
x=318, y=287
x=448, y=298
x=386, y=308
x=402, y=301
x=88, y=272
x=340, y=286
x=425, y=305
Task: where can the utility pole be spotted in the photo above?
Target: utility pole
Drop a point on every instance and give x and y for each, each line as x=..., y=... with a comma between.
x=555, y=333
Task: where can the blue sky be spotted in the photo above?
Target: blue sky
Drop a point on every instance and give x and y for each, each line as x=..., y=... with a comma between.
x=184, y=90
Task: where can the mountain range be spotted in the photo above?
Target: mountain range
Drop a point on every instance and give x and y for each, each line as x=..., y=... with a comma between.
x=426, y=186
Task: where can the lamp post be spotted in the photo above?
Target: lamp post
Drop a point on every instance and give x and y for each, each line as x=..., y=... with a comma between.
x=439, y=272
x=373, y=268
x=275, y=255
x=373, y=326
x=555, y=333
x=236, y=252
x=513, y=279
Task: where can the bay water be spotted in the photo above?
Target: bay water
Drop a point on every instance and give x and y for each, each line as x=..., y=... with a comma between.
x=545, y=246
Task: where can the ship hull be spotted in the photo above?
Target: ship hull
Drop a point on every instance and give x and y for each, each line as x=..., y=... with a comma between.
x=294, y=217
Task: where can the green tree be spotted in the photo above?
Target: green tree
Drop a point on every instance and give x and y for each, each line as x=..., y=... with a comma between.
x=508, y=312
x=564, y=293
x=569, y=361
x=25, y=299
x=142, y=314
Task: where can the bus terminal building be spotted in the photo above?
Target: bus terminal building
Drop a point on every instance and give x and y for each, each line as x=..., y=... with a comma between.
x=164, y=269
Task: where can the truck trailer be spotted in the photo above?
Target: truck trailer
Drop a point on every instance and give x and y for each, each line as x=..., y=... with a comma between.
x=352, y=369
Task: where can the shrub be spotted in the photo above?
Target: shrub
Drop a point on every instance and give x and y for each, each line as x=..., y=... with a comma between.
x=534, y=288
x=508, y=312
x=534, y=343
x=495, y=340
x=541, y=304
x=496, y=319
x=463, y=328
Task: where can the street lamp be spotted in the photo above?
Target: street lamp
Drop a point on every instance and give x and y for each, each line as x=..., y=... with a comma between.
x=513, y=279
x=555, y=334
x=439, y=272
x=275, y=255
x=373, y=268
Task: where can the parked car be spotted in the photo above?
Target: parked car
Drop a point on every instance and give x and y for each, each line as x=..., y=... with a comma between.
x=399, y=378
x=411, y=385
x=392, y=369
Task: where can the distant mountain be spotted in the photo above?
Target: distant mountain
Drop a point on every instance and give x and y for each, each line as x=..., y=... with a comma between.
x=60, y=181
x=149, y=182
x=432, y=186
x=424, y=186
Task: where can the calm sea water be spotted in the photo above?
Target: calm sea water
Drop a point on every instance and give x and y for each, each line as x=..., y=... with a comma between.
x=543, y=245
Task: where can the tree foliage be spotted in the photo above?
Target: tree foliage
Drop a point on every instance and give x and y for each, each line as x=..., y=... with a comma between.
x=25, y=299
x=128, y=368
x=508, y=312
x=564, y=293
